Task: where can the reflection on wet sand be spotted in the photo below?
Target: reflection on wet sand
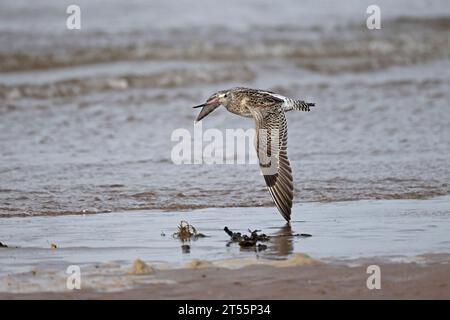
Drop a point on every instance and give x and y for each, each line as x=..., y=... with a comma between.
x=281, y=243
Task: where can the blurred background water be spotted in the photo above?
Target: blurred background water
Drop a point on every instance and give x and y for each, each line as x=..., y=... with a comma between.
x=86, y=115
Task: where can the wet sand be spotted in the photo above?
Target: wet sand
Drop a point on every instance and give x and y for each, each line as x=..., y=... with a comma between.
x=408, y=239
x=425, y=280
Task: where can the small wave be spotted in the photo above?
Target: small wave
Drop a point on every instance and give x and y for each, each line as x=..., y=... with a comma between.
x=165, y=79
x=436, y=23
x=350, y=48
x=181, y=201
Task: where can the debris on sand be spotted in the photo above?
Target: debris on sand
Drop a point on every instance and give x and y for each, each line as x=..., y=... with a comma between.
x=198, y=264
x=251, y=241
x=187, y=232
x=248, y=241
x=254, y=236
x=3, y=245
x=298, y=259
x=140, y=268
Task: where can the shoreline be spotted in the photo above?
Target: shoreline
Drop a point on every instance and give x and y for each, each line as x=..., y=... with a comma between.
x=181, y=209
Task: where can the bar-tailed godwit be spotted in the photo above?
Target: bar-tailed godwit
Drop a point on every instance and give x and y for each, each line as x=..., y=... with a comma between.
x=267, y=108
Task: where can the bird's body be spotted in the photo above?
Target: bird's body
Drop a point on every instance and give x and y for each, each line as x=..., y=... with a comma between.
x=268, y=110
x=244, y=99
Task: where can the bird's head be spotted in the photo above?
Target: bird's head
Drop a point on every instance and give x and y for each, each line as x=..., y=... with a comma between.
x=222, y=97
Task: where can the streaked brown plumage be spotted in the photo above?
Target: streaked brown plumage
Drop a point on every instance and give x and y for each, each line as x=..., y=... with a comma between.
x=267, y=109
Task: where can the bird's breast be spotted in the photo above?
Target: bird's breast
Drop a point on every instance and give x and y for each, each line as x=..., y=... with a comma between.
x=240, y=108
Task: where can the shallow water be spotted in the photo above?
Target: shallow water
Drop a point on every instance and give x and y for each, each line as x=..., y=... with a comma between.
x=356, y=229
x=86, y=117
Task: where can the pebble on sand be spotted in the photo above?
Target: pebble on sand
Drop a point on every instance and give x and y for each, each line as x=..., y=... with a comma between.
x=297, y=259
x=140, y=268
x=197, y=264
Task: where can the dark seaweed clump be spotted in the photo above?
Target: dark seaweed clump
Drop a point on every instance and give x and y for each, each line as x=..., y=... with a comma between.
x=248, y=241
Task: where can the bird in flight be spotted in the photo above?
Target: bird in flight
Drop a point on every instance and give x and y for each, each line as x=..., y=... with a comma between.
x=268, y=110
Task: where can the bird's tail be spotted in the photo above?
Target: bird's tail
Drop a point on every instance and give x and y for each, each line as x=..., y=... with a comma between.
x=300, y=105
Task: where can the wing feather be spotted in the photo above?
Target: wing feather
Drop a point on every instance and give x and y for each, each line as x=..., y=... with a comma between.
x=271, y=147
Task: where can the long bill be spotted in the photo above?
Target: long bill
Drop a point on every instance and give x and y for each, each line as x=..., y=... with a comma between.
x=207, y=108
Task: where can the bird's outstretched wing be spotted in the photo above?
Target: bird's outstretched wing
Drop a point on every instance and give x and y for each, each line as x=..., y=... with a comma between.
x=271, y=147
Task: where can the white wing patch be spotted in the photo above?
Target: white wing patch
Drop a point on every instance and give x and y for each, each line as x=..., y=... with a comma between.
x=278, y=96
x=288, y=103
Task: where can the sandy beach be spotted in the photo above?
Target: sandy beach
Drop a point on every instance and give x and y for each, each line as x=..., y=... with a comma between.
x=424, y=280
